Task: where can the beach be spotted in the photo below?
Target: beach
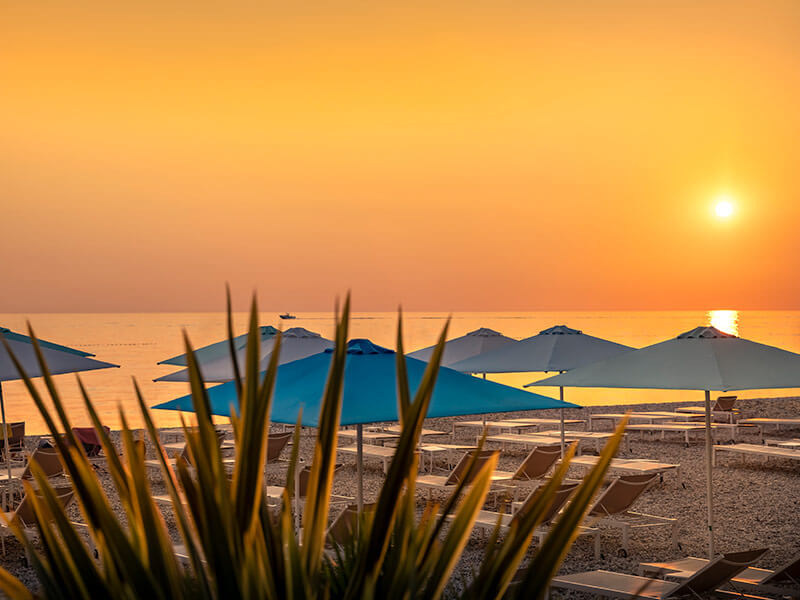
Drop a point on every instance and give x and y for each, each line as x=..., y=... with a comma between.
x=756, y=503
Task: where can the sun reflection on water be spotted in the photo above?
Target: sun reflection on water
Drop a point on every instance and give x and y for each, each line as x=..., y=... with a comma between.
x=724, y=320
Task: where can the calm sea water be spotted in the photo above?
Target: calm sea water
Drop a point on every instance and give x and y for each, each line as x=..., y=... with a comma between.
x=138, y=341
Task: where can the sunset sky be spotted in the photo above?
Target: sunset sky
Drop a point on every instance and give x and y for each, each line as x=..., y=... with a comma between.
x=503, y=155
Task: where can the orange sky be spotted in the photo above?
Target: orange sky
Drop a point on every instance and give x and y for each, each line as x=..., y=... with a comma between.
x=502, y=155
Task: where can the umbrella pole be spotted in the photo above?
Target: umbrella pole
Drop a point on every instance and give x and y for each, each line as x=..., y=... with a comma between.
x=484, y=418
x=360, y=460
x=561, y=397
x=5, y=442
x=709, y=491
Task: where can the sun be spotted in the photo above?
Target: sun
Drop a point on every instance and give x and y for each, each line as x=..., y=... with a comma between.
x=723, y=206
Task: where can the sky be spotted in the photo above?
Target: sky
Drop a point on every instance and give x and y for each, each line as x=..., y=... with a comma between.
x=503, y=155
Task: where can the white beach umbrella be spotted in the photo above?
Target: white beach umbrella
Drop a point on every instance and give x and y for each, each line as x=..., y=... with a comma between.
x=701, y=359
x=558, y=348
x=59, y=360
x=297, y=343
x=222, y=349
x=475, y=342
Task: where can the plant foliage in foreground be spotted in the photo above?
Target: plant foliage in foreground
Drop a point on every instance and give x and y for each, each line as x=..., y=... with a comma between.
x=237, y=546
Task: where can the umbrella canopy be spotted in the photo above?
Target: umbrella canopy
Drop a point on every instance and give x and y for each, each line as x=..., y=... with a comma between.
x=59, y=359
x=558, y=348
x=370, y=390
x=705, y=359
x=475, y=342
x=221, y=349
x=296, y=343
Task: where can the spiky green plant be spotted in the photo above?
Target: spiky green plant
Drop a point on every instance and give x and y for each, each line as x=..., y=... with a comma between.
x=237, y=546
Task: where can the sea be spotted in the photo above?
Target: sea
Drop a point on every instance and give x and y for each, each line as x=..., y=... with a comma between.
x=137, y=342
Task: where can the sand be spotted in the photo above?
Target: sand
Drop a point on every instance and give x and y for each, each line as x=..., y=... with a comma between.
x=757, y=503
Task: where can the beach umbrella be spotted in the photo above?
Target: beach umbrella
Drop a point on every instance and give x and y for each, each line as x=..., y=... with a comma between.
x=296, y=343
x=559, y=348
x=222, y=349
x=475, y=342
x=370, y=392
x=59, y=360
x=703, y=359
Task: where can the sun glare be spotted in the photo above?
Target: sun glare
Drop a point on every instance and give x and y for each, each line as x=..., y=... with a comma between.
x=723, y=207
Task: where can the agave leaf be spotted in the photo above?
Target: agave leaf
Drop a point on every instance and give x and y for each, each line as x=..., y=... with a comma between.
x=403, y=392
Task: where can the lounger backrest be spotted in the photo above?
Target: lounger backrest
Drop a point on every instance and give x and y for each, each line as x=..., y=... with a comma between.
x=724, y=403
x=87, y=436
x=621, y=494
x=537, y=463
x=560, y=498
x=24, y=513
x=304, y=476
x=717, y=572
x=276, y=443
x=460, y=470
x=788, y=572
x=344, y=526
x=185, y=452
x=48, y=459
x=16, y=436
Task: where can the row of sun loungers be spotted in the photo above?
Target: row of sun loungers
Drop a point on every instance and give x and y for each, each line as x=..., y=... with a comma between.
x=728, y=575
x=763, y=451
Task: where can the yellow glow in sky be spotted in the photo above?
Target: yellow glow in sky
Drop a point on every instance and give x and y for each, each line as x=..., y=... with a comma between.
x=724, y=206
x=470, y=155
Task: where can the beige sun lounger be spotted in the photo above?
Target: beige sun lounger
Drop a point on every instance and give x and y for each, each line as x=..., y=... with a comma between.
x=48, y=459
x=528, y=440
x=24, y=514
x=613, y=509
x=724, y=406
x=598, y=437
x=762, y=422
x=398, y=429
x=756, y=450
x=793, y=444
x=487, y=520
x=783, y=581
x=432, y=450
x=707, y=580
x=508, y=425
x=375, y=437
x=535, y=466
x=632, y=416
x=449, y=482
x=344, y=525
x=382, y=453
x=684, y=429
x=633, y=466
x=549, y=422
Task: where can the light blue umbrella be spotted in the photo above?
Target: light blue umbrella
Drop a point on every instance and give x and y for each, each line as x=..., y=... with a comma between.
x=370, y=391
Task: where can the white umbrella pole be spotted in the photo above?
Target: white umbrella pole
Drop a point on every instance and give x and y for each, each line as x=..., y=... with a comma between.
x=709, y=491
x=5, y=441
x=360, y=460
x=561, y=397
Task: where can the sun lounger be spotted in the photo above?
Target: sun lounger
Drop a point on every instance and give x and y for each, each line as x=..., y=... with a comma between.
x=432, y=450
x=793, y=444
x=398, y=429
x=449, y=482
x=598, y=437
x=48, y=459
x=377, y=437
x=25, y=516
x=535, y=466
x=154, y=463
x=724, y=407
x=613, y=509
x=685, y=429
x=632, y=466
x=756, y=450
x=507, y=425
x=549, y=422
x=487, y=520
x=16, y=439
x=632, y=416
x=344, y=525
x=707, y=580
x=762, y=422
x=382, y=453
x=782, y=581
x=527, y=440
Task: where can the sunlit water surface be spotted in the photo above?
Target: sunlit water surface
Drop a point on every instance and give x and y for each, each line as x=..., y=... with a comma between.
x=138, y=341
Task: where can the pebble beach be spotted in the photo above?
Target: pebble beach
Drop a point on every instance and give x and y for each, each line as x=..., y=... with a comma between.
x=757, y=501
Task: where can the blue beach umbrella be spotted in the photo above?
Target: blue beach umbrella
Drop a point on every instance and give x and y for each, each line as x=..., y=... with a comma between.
x=370, y=391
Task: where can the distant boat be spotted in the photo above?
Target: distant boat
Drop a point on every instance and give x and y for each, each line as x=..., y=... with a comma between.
x=287, y=316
